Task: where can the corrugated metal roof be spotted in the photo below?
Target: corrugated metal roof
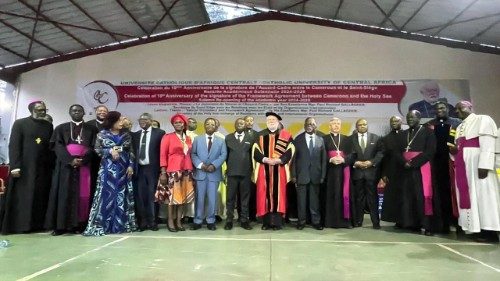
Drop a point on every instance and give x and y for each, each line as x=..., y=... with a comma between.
x=31, y=30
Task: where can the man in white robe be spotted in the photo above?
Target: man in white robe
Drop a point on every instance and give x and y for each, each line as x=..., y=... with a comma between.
x=478, y=193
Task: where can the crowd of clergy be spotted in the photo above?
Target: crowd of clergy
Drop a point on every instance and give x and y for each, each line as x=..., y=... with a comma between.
x=98, y=177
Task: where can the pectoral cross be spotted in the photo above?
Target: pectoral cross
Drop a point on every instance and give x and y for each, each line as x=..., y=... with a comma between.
x=79, y=140
x=407, y=148
x=38, y=140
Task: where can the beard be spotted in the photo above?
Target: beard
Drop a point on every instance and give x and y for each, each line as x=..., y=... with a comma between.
x=272, y=127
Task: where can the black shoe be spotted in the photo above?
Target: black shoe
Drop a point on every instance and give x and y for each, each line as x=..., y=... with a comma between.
x=301, y=226
x=350, y=226
x=358, y=224
x=154, y=227
x=228, y=226
x=211, y=226
x=265, y=227
x=195, y=226
x=428, y=233
x=218, y=219
x=141, y=228
x=171, y=229
x=276, y=227
x=376, y=226
x=317, y=226
x=57, y=232
x=180, y=227
x=246, y=225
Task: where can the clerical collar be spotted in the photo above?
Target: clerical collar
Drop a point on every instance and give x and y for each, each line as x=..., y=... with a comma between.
x=273, y=131
x=100, y=122
x=396, y=131
x=334, y=134
x=77, y=123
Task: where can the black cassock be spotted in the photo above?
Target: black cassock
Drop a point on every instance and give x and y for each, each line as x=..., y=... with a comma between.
x=441, y=168
x=27, y=196
x=333, y=195
x=391, y=168
x=62, y=212
x=412, y=195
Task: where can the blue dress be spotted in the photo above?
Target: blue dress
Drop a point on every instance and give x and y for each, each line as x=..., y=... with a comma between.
x=113, y=206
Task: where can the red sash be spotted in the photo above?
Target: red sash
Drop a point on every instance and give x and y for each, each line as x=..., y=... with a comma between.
x=83, y=207
x=460, y=171
x=425, y=171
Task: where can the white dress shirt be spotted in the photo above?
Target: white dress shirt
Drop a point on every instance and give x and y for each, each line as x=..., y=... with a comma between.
x=148, y=138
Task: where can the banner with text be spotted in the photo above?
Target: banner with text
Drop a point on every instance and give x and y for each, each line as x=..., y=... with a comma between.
x=375, y=100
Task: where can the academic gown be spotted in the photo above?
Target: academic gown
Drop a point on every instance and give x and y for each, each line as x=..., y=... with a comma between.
x=412, y=200
x=63, y=209
x=27, y=196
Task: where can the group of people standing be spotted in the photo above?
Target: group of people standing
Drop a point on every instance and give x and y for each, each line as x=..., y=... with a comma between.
x=98, y=177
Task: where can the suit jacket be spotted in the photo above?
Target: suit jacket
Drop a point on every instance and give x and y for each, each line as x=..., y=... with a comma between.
x=154, y=146
x=307, y=167
x=94, y=123
x=374, y=152
x=216, y=157
x=239, y=161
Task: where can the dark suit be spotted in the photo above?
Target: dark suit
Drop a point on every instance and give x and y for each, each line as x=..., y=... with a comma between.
x=96, y=161
x=309, y=170
x=365, y=180
x=252, y=203
x=146, y=178
x=96, y=124
x=239, y=170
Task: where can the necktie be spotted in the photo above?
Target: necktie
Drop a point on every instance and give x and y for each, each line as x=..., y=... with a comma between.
x=239, y=137
x=311, y=145
x=362, y=143
x=142, y=148
x=209, y=143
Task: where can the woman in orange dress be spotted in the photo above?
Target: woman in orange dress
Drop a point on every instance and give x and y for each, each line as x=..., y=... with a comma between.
x=176, y=171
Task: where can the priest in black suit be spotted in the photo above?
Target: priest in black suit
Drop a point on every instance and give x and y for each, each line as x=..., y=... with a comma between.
x=239, y=170
x=69, y=201
x=31, y=162
x=308, y=172
x=100, y=113
x=366, y=156
x=147, y=144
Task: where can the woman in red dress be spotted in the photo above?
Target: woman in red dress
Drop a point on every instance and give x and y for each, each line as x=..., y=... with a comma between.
x=176, y=171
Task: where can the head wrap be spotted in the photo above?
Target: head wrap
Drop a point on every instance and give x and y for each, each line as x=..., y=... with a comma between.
x=181, y=117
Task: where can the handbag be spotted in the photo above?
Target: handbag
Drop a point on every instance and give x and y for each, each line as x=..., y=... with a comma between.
x=162, y=193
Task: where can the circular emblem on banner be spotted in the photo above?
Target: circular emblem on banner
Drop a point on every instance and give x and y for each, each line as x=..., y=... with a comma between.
x=100, y=93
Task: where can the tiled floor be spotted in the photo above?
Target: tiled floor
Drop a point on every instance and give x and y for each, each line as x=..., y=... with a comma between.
x=332, y=254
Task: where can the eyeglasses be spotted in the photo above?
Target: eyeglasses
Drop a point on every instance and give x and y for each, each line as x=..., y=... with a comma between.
x=42, y=110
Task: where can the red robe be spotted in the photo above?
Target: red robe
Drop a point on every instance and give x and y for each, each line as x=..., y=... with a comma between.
x=271, y=180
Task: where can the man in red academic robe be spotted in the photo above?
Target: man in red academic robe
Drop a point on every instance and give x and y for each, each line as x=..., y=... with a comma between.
x=271, y=152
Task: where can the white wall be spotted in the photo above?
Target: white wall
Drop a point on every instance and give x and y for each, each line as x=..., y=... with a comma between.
x=268, y=50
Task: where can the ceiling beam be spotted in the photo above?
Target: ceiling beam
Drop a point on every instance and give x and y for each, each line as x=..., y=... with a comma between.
x=456, y=17
x=167, y=12
x=132, y=16
x=34, y=27
x=385, y=14
x=414, y=14
x=64, y=24
x=390, y=13
x=94, y=20
x=459, y=22
x=338, y=9
x=293, y=5
x=15, y=71
x=29, y=37
x=483, y=31
x=79, y=41
x=14, y=52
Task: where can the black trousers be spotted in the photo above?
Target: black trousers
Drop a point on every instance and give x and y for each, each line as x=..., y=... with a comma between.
x=144, y=193
x=365, y=190
x=238, y=185
x=312, y=191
